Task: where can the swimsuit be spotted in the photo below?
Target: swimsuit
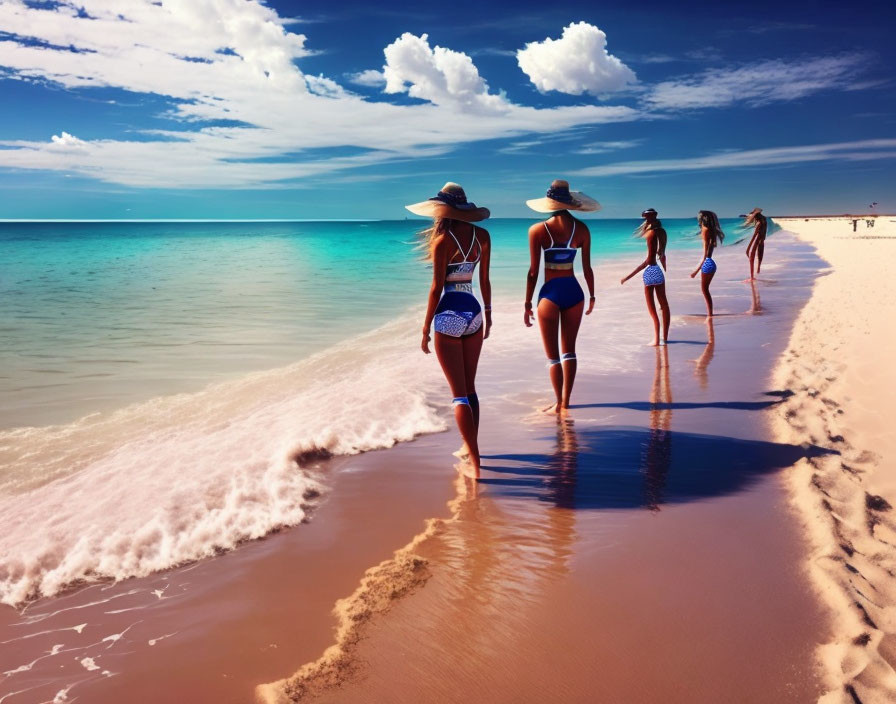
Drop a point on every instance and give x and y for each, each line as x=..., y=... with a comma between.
x=709, y=266
x=458, y=313
x=653, y=276
x=563, y=291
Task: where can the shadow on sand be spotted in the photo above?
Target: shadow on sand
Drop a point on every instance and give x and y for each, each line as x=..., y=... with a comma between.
x=632, y=467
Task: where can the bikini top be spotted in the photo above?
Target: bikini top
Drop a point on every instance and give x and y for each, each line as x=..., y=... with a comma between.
x=459, y=275
x=560, y=257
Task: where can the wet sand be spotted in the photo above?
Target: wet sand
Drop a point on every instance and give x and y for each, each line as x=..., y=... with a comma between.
x=641, y=550
x=838, y=366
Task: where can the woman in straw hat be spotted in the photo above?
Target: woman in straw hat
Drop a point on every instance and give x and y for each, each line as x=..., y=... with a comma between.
x=654, y=279
x=711, y=232
x=455, y=245
x=757, y=243
x=560, y=300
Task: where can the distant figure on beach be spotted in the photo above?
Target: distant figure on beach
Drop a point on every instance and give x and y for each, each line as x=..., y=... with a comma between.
x=654, y=280
x=711, y=232
x=561, y=299
x=454, y=246
x=757, y=243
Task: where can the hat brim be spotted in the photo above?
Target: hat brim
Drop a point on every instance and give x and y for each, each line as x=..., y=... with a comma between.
x=437, y=209
x=549, y=205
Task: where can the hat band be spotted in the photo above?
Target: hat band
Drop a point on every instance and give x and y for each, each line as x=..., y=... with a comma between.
x=458, y=201
x=561, y=195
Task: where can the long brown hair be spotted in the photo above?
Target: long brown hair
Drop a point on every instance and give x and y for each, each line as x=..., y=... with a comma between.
x=710, y=221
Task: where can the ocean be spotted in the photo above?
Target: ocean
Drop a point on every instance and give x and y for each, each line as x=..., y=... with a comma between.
x=169, y=388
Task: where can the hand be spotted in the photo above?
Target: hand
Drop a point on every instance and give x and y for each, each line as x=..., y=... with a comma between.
x=694, y=274
x=488, y=324
x=425, y=344
x=590, y=306
x=622, y=281
x=528, y=317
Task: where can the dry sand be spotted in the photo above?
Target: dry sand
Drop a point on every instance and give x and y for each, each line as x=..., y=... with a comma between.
x=839, y=365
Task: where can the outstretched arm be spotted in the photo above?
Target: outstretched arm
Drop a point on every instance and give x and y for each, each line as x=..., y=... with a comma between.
x=532, y=275
x=651, y=253
x=485, y=286
x=586, y=267
x=439, y=264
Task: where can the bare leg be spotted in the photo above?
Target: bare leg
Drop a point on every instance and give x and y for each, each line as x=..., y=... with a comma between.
x=549, y=323
x=705, y=280
x=751, y=253
x=570, y=320
x=651, y=308
x=760, y=250
x=450, y=351
x=472, y=345
x=664, y=304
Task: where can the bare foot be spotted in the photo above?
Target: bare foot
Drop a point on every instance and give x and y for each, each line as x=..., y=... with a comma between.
x=467, y=469
x=463, y=452
x=553, y=408
x=652, y=344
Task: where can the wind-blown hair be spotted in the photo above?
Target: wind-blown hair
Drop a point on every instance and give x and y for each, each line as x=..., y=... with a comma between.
x=428, y=236
x=752, y=219
x=710, y=221
x=661, y=236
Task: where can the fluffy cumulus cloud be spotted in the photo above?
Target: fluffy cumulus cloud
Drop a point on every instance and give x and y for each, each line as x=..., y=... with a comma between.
x=438, y=75
x=243, y=113
x=576, y=63
x=369, y=78
x=757, y=83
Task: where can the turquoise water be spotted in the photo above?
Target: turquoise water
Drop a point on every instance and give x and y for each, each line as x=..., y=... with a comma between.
x=97, y=315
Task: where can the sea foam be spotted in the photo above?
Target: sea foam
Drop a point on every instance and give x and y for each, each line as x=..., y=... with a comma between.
x=182, y=477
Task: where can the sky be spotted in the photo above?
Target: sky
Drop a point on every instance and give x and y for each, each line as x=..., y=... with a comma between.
x=241, y=109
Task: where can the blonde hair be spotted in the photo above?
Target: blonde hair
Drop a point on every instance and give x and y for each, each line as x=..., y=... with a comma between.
x=428, y=236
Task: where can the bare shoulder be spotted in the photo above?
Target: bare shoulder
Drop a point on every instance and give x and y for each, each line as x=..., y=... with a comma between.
x=582, y=227
x=439, y=243
x=536, y=231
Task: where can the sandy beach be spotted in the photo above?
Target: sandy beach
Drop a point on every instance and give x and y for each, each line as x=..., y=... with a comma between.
x=632, y=552
x=837, y=366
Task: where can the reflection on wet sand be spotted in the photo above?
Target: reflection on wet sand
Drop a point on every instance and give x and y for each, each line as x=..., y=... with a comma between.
x=756, y=304
x=657, y=455
x=701, y=370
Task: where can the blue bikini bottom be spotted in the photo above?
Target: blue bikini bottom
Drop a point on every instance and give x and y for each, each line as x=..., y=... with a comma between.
x=563, y=291
x=458, y=314
x=709, y=266
x=653, y=276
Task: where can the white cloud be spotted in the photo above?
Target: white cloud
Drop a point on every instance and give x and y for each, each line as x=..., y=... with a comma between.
x=756, y=84
x=843, y=151
x=604, y=147
x=66, y=140
x=576, y=63
x=370, y=78
x=234, y=60
x=440, y=76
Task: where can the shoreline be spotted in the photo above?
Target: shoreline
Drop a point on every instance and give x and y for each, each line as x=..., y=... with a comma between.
x=693, y=561
x=836, y=366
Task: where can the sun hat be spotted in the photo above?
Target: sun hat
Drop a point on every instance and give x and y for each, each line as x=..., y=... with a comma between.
x=559, y=197
x=450, y=202
x=755, y=210
x=647, y=212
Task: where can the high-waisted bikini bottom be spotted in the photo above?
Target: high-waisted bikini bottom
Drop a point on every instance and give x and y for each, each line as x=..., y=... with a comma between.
x=458, y=314
x=563, y=291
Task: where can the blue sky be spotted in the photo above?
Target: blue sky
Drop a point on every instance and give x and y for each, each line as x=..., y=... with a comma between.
x=240, y=109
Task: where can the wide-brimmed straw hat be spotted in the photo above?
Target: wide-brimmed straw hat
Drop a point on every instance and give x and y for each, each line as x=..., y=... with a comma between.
x=450, y=202
x=559, y=197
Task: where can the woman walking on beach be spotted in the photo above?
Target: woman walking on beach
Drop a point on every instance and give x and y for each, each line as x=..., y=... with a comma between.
x=654, y=280
x=455, y=246
x=757, y=242
x=712, y=235
x=561, y=299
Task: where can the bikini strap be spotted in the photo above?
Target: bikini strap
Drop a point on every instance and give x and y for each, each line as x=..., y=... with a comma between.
x=549, y=234
x=461, y=249
x=474, y=243
x=573, y=233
